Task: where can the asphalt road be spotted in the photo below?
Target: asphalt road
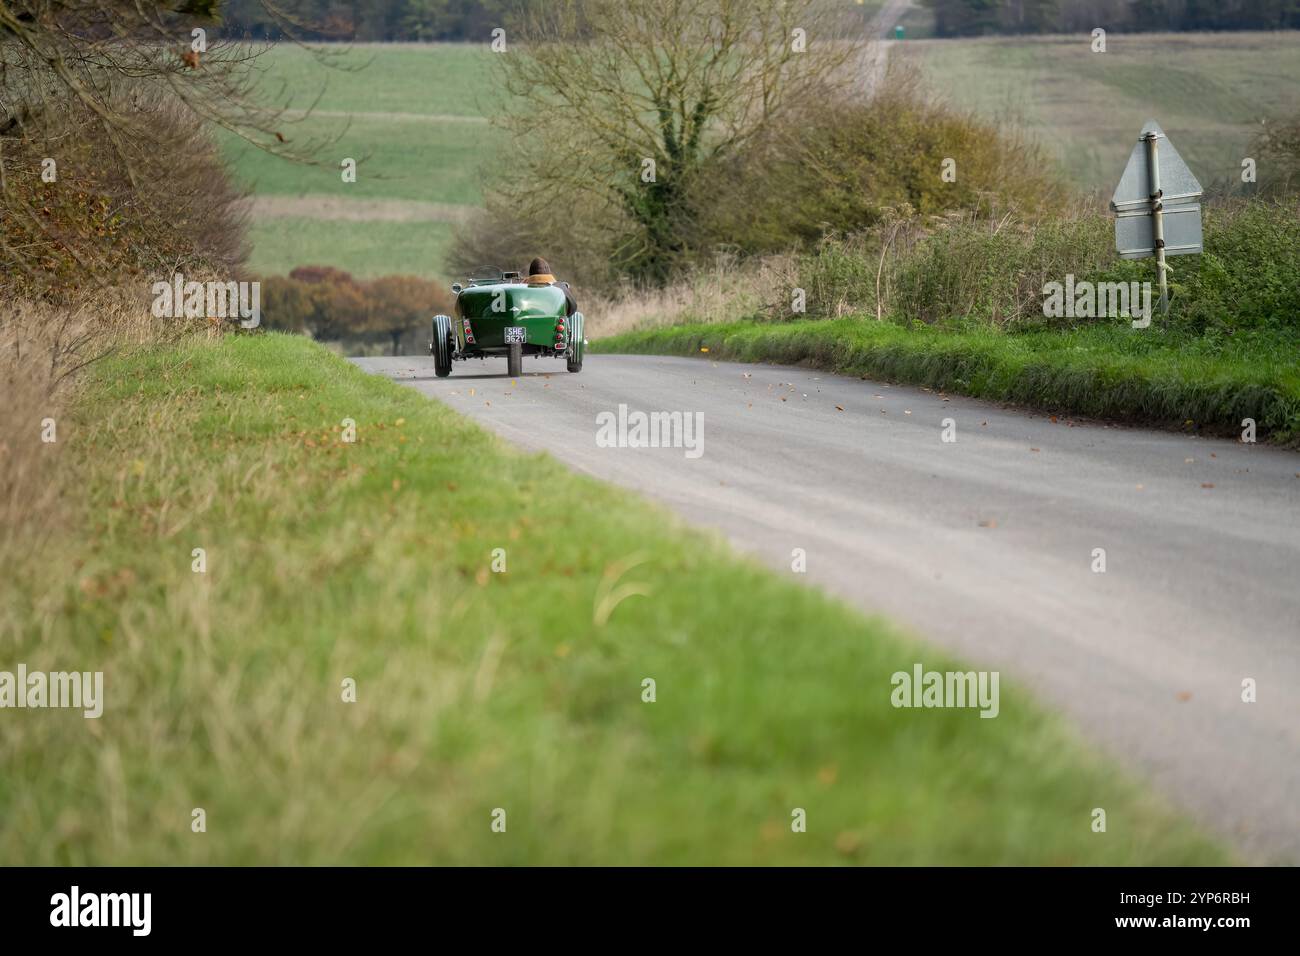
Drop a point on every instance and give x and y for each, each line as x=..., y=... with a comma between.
x=985, y=546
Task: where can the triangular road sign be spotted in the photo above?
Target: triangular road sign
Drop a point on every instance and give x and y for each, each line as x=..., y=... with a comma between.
x=1180, y=208
x=1176, y=180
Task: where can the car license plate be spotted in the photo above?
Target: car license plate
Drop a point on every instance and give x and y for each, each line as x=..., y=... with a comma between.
x=515, y=333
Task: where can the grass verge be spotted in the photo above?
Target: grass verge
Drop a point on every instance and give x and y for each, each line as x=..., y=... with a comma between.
x=1114, y=372
x=475, y=690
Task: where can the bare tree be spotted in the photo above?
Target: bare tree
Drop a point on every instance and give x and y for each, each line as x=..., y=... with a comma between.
x=632, y=99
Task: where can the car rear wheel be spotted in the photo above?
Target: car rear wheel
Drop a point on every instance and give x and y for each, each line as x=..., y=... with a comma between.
x=577, y=345
x=441, y=346
x=515, y=360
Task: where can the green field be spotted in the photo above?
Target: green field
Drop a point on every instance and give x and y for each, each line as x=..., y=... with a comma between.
x=432, y=79
x=1208, y=91
x=414, y=118
x=421, y=160
x=366, y=249
x=475, y=690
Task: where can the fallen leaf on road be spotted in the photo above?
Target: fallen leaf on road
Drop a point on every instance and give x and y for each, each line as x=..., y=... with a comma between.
x=1207, y=484
x=1184, y=695
x=989, y=523
x=839, y=408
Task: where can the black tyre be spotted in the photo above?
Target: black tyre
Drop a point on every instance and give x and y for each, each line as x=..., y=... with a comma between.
x=441, y=346
x=515, y=360
x=577, y=345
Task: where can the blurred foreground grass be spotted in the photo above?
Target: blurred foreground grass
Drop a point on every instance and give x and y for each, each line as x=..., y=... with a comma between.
x=475, y=690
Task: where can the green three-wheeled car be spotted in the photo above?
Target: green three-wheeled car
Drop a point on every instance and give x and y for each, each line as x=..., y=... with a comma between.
x=504, y=315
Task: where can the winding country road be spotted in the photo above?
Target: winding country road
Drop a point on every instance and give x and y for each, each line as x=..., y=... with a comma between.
x=986, y=546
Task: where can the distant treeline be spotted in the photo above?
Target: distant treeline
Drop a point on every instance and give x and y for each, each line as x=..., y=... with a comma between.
x=976, y=17
x=474, y=20
x=368, y=20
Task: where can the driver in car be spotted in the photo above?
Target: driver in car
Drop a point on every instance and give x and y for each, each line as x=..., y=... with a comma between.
x=539, y=273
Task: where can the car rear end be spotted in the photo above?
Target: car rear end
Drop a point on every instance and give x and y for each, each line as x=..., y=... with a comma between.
x=489, y=318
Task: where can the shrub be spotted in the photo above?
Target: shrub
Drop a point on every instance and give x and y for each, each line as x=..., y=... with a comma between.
x=398, y=304
x=330, y=305
x=853, y=164
x=100, y=223
x=1249, y=275
x=994, y=271
x=974, y=269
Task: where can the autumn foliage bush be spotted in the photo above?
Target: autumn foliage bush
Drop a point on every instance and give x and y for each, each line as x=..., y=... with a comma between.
x=331, y=305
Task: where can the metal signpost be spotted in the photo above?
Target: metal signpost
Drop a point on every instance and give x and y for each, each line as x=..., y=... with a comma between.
x=1157, y=205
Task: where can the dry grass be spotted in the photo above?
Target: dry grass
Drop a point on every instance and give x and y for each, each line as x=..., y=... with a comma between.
x=42, y=349
x=36, y=355
x=724, y=293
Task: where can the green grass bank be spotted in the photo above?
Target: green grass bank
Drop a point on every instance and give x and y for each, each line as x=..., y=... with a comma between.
x=475, y=689
x=1104, y=371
